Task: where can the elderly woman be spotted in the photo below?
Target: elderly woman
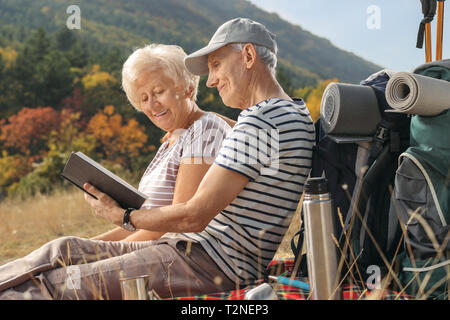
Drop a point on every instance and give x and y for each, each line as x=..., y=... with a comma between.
x=156, y=83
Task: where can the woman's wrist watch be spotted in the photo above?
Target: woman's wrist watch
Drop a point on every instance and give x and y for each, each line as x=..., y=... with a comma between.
x=126, y=224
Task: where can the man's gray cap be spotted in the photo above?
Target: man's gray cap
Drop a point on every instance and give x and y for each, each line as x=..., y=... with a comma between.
x=233, y=31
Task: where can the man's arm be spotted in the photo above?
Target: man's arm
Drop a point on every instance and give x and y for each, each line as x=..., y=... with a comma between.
x=217, y=190
x=189, y=176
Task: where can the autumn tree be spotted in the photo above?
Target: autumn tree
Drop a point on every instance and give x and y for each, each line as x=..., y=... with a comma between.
x=101, y=88
x=28, y=130
x=8, y=55
x=68, y=138
x=313, y=97
x=120, y=141
x=13, y=168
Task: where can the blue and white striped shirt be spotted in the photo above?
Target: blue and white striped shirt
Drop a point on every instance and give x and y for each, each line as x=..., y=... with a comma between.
x=271, y=144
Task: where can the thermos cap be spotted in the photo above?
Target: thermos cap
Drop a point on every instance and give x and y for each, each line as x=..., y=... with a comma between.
x=316, y=185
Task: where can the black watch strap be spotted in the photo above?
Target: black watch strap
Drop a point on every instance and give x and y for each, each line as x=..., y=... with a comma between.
x=126, y=219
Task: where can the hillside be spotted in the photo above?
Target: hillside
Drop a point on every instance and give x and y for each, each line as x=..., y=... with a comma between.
x=60, y=89
x=190, y=23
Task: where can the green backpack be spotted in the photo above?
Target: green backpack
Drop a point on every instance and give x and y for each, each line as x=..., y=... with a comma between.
x=421, y=201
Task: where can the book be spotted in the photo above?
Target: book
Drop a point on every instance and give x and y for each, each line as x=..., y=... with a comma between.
x=81, y=169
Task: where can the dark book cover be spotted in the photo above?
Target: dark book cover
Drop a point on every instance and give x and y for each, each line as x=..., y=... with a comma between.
x=80, y=169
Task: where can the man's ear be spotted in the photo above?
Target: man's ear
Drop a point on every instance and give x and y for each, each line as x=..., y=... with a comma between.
x=250, y=55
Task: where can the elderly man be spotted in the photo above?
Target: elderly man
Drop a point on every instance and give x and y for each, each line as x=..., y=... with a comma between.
x=229, y=231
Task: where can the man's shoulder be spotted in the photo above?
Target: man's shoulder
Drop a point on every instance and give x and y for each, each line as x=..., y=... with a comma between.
x=268, y=113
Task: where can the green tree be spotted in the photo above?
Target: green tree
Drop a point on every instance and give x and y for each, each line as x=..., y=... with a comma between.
x=72, y=47
x=285, y=81
x=54, y=81
x=65, y=39
x=42, y=75
x=5, y=96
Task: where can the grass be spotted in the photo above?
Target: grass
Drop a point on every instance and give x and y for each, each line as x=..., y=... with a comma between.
x=28, y=224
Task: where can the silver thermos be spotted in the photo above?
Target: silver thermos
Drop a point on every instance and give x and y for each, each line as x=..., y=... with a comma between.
x=321, y=250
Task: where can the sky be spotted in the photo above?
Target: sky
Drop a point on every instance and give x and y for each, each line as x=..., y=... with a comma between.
x=381, y=31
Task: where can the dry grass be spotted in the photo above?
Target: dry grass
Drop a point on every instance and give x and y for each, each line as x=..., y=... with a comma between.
x=28, y=224
x=284, y=249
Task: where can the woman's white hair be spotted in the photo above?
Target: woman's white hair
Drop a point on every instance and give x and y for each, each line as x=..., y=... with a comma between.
x=268, y=57
x=168, y=58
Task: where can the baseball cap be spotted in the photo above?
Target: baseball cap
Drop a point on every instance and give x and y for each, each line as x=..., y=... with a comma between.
x=233, y=31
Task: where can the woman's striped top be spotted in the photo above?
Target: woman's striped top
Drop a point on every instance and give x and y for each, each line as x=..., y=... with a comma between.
x=202, y=139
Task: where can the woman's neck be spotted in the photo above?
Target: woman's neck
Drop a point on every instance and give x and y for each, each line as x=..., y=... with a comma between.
x=194, y=114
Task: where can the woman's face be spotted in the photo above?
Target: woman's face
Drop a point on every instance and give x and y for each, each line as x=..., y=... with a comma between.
x=226, y=72
x=162, y=102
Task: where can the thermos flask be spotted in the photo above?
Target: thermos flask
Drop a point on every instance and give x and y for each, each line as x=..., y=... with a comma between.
x=321, y=250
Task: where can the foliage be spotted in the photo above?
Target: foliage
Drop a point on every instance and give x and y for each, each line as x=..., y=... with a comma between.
x=12, y=168
x=115, y=24
x=120, y=142
x=58, y=96
x=42, y=76
x=313, y=97
x=28, y=130
x=8, y=55
x=97, y=78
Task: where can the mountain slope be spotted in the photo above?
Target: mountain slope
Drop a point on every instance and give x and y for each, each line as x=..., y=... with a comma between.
x=189, y=23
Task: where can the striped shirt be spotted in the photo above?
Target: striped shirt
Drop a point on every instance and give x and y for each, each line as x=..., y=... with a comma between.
x=271, y=144
x=202, y=139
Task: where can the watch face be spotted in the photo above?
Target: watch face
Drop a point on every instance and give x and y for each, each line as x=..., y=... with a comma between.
x=128, y=227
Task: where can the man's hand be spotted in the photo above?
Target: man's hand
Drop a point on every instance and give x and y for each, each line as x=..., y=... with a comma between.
x=105, y=207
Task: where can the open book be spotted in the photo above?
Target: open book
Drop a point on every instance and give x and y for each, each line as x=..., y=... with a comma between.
x=80, y=169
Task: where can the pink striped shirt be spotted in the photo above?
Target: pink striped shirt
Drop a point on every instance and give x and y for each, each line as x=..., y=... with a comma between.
x=202, y=139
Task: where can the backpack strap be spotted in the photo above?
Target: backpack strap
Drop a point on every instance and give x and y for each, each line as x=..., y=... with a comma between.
x=392, y=132
x=296, y=248
x=379, y=140
x=362, y=159
x=366, y=186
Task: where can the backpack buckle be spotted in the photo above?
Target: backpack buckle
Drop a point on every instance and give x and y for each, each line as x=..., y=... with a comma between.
x=382, y=134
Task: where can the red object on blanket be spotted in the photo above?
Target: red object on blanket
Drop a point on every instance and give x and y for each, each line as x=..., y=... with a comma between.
x=285, y=292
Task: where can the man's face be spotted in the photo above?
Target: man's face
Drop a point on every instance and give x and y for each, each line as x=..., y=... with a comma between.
x=226, y=72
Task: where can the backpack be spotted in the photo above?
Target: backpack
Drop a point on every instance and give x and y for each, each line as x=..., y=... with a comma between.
x=421, y=200
x=361, y=199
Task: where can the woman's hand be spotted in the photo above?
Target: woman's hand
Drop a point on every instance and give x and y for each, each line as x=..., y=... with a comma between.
x=104, y=206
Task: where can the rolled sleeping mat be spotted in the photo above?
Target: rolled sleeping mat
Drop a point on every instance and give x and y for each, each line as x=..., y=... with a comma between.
x=349, y=110
x=416, y=94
